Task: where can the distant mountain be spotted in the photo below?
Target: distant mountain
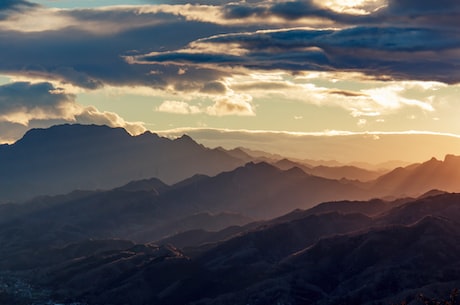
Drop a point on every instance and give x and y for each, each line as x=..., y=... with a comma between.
x=346, y=171
x=261, y=155
x=261, y=191
x=371, y=208
x=238, y=153
x=318, y=259
x=332, y=172
x=149, y=210
x=416, y=179
x=68, y=157
x=286, y=164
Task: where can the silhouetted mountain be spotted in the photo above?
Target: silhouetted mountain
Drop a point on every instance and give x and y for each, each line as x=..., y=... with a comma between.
x=196, y=222
x=286, y=164
x=346, y=171
x=443, y=205
x=417, y=179
x=68, y=157
x=147, y=185
x=332, y=172
x=238, y=153
x=149, y=210
x=261, y=156
x=328, y=258
x=374, y=266
x=142, y=274
x=371, y=208
x=257, y=189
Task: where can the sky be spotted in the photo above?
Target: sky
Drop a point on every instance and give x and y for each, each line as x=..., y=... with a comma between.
x=289, y=76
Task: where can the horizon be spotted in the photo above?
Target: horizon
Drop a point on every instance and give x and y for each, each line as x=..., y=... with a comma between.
x=242, y=70
x=277, y=142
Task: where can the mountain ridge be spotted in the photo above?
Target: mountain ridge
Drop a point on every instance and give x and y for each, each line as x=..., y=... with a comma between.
x=66, y=157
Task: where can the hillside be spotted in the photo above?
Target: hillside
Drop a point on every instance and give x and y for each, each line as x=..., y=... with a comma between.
x=63, y=158
x=316, y=259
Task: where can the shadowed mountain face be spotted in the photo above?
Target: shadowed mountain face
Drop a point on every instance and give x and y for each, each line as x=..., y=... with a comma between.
x=262, y=191
x=330, y=258
x=416, y=179
x=223, y=236
x=68, y=157
x=64, y=158
x=149, y=210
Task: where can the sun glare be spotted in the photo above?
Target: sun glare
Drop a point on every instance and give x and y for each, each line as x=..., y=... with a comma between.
x=355, y=7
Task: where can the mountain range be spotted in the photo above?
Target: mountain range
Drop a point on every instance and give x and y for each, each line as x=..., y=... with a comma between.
x=64, y=158
x=305, y=257
x=97, y=216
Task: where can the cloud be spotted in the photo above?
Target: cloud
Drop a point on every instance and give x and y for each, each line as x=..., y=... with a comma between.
x=215, y=87
x=178, y=107
x=200, y=52
x=235, y=104
x=91, y=115
x=372, y=147
x=346, y=13
x=89, y=48
x=231, y=104
x=397, y=52
x=24, y=104
x=390, y=97
x=8, y=7
x=21, y=102
x=413, y=6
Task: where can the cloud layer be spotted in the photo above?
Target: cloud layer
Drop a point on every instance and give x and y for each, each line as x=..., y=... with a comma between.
x=221, y=58
x=373, y=147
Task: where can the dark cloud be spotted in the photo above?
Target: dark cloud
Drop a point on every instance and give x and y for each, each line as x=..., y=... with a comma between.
x=96, y=49
x=300, y=9
x=24, y=97
x=14, y=6
x=347, y=93
x=214, y=88
x=183, y=57
x=416, y=6
x=26, y=105
x=203, y=2
x=402, y=53
x=237, y=11
x=395, y=12
x=90, y=59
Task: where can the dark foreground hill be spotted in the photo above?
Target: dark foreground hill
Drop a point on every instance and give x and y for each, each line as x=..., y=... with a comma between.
x=63, y=158
x=317, y=256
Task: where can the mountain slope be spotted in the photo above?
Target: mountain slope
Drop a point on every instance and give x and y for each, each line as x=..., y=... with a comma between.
x=320, y=259
x=417, y=179
x=331, y=172
x=68, y=157
x=262, y=191
x=149, y=210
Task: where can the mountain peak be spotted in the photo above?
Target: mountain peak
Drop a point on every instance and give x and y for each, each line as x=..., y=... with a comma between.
x=452, y=159
x=68, y=132
x=63, y=158
x=185, y=138
x=259, y=165
x=431, y=193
